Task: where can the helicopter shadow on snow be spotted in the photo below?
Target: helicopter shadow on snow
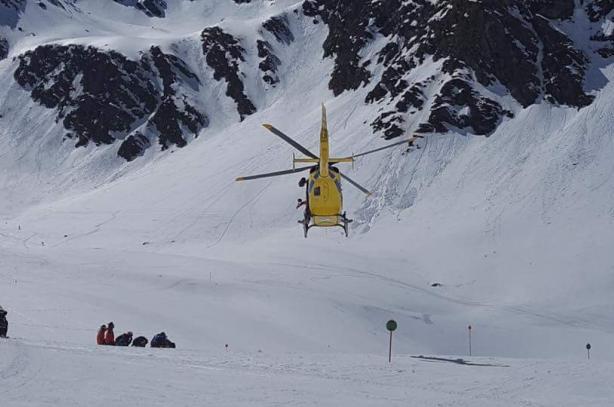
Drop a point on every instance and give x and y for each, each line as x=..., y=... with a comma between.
x=458, y=361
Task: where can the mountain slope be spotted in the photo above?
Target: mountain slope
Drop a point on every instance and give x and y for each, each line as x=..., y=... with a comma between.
x=515, y=227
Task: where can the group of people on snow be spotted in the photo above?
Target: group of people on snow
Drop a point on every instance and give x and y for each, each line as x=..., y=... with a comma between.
x=106, y=336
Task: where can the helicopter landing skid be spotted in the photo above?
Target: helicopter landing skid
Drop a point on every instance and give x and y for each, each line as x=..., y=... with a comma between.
x=345, y=222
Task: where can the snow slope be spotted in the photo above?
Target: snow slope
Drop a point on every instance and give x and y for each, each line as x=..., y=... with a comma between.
x=517, y=228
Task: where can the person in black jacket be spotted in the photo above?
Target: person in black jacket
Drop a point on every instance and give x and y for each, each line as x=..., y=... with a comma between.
x=140, y=342
x=124, y=339
x=4, y=324
x=161, y=341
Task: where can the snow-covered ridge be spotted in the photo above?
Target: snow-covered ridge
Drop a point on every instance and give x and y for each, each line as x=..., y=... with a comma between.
x=495, y=57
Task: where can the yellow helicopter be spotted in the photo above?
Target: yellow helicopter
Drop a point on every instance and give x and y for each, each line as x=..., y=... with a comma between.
x=324, y=197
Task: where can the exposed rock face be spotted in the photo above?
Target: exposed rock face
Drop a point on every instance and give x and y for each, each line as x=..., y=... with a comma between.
x=459, y=106
x=599, y=9
x=277, y=27
x=507, y=42
x=175, y=113
x=152, y=8
x=428, y=66
x=553, y=9
x=349, y=33
x=4, y=48
x=563, y=67
x=103, y=96
x=134, y=146
x=223, y=53
x=269, y=62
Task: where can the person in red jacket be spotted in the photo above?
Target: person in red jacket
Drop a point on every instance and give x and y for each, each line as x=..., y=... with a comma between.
x=100, y=336
x=109, y=336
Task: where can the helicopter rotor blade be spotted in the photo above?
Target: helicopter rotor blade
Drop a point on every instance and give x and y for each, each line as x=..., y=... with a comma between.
x=274, y=174
x=409, y=142
x=356, y=184
x=288, y=140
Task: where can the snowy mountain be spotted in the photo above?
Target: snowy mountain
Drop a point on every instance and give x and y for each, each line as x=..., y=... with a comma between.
x=123, y=124
x=427, y=66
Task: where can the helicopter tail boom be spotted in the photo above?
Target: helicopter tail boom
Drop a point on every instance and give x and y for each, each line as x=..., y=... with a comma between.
x=324, y=151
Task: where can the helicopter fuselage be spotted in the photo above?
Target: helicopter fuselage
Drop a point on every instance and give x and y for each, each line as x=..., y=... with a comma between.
x=324, y=197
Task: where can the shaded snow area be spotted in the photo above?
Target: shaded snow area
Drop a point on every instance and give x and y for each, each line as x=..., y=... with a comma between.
x=512, y=233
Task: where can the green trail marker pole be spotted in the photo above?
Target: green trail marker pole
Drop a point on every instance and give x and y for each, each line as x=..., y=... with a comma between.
x=588, y=351
x=469, y=329
x=391, y=326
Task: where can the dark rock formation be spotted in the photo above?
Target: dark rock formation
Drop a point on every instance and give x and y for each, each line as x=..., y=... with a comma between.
x=152, y=8
x=96, y=93
x=4, y=48
x=458, y=105
x=103, y=96
x=223, y=53
x=599, y=9
x=134, y=146
x=553, y=9
x=348, y=34
x=278, y=26
x=269, y=62
x=563, y=66
x=175, y=113
x=507, y=44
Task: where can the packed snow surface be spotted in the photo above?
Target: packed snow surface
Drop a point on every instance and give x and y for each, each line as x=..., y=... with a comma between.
x=50, y=374
x=511, y=234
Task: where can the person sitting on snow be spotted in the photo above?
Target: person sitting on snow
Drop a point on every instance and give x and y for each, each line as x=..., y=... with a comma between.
x=4, y=324
x=161, y=341
x=100, y=336
x=124, y=339
x=109, y=336
x=140, y=342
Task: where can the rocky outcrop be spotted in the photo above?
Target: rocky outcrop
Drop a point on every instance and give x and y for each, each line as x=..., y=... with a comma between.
x=503, y=43
x=223, y=53
x=349, y=32
x=175, y=114
x=459, y=107
x=553, y=9
x=152, y=8
x=102, y=97
x=599, y=9
x=563, y=66
x=133, y=147
x=4, y=48
x=269, y=62
x=278, y=26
